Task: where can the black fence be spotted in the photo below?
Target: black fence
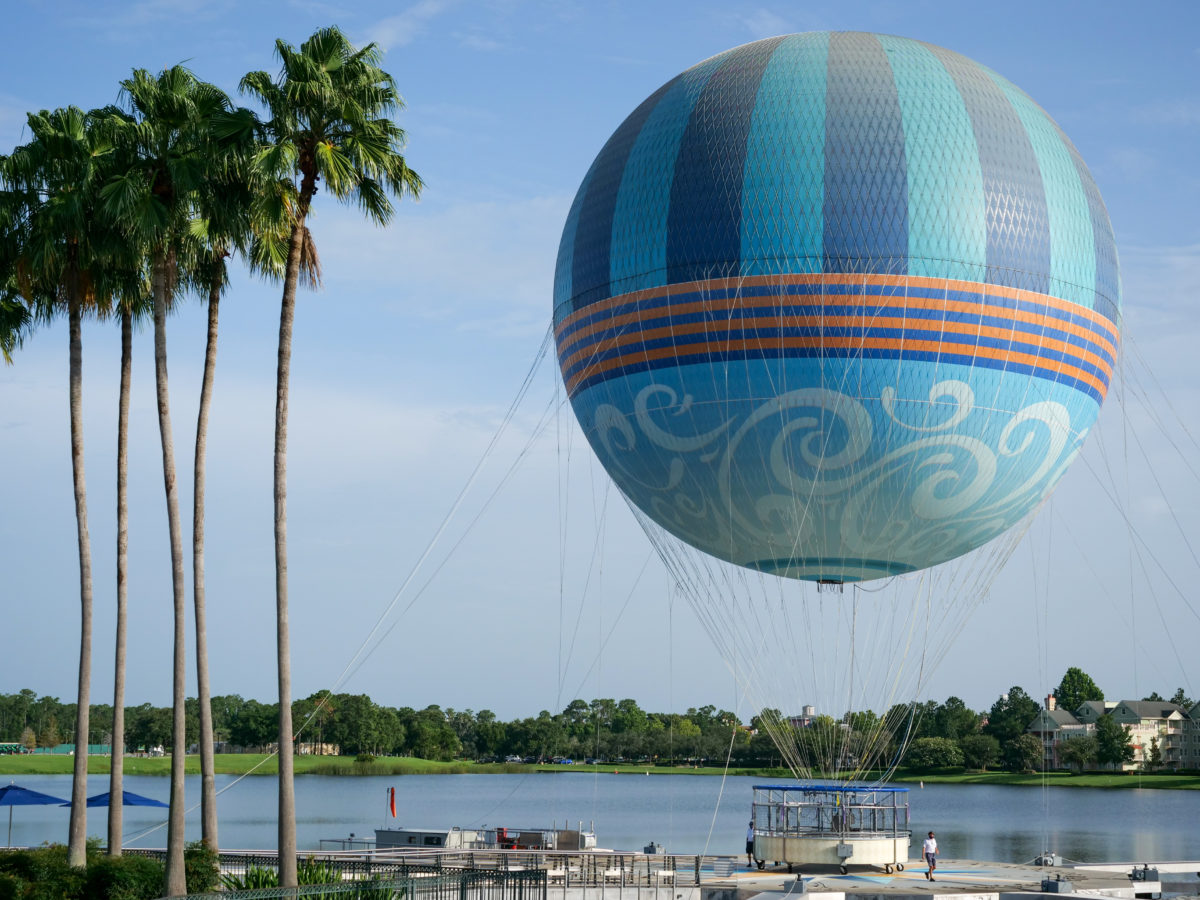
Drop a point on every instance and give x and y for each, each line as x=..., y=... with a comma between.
x=490, y=874
x=450, y=886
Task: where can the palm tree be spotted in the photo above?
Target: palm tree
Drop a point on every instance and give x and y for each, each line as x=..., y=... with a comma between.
x=222, y=224
x=166, y=146
x=330, y=114
x=132, y=304
x=208, y=791
x=52, y=203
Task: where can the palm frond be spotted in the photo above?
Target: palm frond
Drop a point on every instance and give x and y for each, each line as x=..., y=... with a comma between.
x=310, y=261
x=16, y=323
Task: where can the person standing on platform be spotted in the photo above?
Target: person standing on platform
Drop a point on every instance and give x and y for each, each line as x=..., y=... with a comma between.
x=750, y=844
x=929, y=851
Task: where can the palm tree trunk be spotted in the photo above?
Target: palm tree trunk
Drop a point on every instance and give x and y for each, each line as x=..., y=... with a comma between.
x=77, y=831
x=208, y=790
x=116, y=775
x=176, y=882
x=287, y=790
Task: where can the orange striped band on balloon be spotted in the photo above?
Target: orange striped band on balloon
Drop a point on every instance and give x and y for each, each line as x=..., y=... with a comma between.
x=872, y=316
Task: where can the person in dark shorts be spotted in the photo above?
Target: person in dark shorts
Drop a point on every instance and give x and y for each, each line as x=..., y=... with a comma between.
x=929, y=851
x=750, y=844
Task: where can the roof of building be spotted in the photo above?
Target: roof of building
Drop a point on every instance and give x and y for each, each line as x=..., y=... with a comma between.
x=1060, y=717
x=1153, y=709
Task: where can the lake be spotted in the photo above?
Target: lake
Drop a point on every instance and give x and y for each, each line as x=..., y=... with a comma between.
x=686, y=814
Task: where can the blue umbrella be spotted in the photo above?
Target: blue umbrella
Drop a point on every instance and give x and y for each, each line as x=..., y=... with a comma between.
x=128, y=798
x=14, y=795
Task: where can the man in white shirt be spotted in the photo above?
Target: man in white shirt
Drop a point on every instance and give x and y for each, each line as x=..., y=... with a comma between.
x=929, y=851
x=750, y=844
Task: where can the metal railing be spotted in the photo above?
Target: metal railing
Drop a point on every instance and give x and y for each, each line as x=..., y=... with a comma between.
x=556, y=868
x=494, y=885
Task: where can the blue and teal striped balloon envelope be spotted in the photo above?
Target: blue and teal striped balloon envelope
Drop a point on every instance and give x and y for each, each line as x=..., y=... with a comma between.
x=837, y=305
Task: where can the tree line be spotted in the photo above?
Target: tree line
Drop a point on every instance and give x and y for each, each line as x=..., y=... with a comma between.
x=950, y=735
x=114, y=214
x=918, y=735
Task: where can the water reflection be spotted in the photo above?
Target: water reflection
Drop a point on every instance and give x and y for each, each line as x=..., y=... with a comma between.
x=687, y=814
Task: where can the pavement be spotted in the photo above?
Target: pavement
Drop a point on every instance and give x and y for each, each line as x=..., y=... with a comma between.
x=953, y=877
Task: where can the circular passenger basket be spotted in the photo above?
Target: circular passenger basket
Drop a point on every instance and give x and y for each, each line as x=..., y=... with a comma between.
x=831, y=824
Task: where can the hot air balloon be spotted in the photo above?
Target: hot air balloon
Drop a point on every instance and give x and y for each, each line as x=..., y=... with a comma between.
x=837, y=306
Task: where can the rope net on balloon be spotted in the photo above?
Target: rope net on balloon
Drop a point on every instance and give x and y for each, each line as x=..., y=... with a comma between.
x=860, y=656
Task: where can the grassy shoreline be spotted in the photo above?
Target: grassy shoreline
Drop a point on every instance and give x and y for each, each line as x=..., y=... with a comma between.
x=261, y=764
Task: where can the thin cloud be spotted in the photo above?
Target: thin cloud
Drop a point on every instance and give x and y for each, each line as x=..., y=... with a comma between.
x=479, y=42
x=150, y=12
x=404, y=28
x=763, y=23
x=1181, y=112
x=490, y=264
x=1163, y=278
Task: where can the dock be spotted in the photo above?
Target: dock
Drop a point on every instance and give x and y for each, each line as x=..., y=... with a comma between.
x=966, y=879
x=619, y=875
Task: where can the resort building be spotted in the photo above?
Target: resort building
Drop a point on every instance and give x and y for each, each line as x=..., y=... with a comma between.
x=1153, y=722
x=1053, y=727
x=1174, y=730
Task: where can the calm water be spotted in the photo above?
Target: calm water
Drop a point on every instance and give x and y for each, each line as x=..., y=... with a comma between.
x=1009, y=824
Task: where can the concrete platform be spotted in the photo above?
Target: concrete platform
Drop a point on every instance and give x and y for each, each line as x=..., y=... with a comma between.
x=967, y=879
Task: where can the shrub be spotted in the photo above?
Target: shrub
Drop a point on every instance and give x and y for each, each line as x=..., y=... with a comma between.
x=202, y=868
x=933, y=753
x=979, y=750
x=1023, y=753
x=256, y=878
x=312, y=872
x=45, y=873
x=11, y=887
x=123, y=878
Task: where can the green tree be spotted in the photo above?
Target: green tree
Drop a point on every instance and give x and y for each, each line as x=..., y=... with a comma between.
x=1153, y=756
x=1023, y=753
x=576, y=718
x=929, y=753
x=489, y=733
x=979, y=751
x=329, y=120
x=1078, y=751
x=953, y=719
x=1010, y=715
x=148, y=726
x=28, y=738
x=1179, y=698
x=253, y=726
x=1076, y=688
x=1113, y=743
x=49, y=735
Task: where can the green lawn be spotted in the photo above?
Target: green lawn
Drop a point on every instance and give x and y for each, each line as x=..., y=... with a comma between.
x=1060, y=779
x=635, y=769
x=261, y=764
x=241, y=763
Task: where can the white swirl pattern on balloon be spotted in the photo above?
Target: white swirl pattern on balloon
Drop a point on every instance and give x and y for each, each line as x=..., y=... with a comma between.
x=816, y=474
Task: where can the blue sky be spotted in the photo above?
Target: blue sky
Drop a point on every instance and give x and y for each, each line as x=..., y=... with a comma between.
x=406, y=361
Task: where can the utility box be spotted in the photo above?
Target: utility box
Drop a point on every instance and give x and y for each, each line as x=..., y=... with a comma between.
x=1057, y=886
